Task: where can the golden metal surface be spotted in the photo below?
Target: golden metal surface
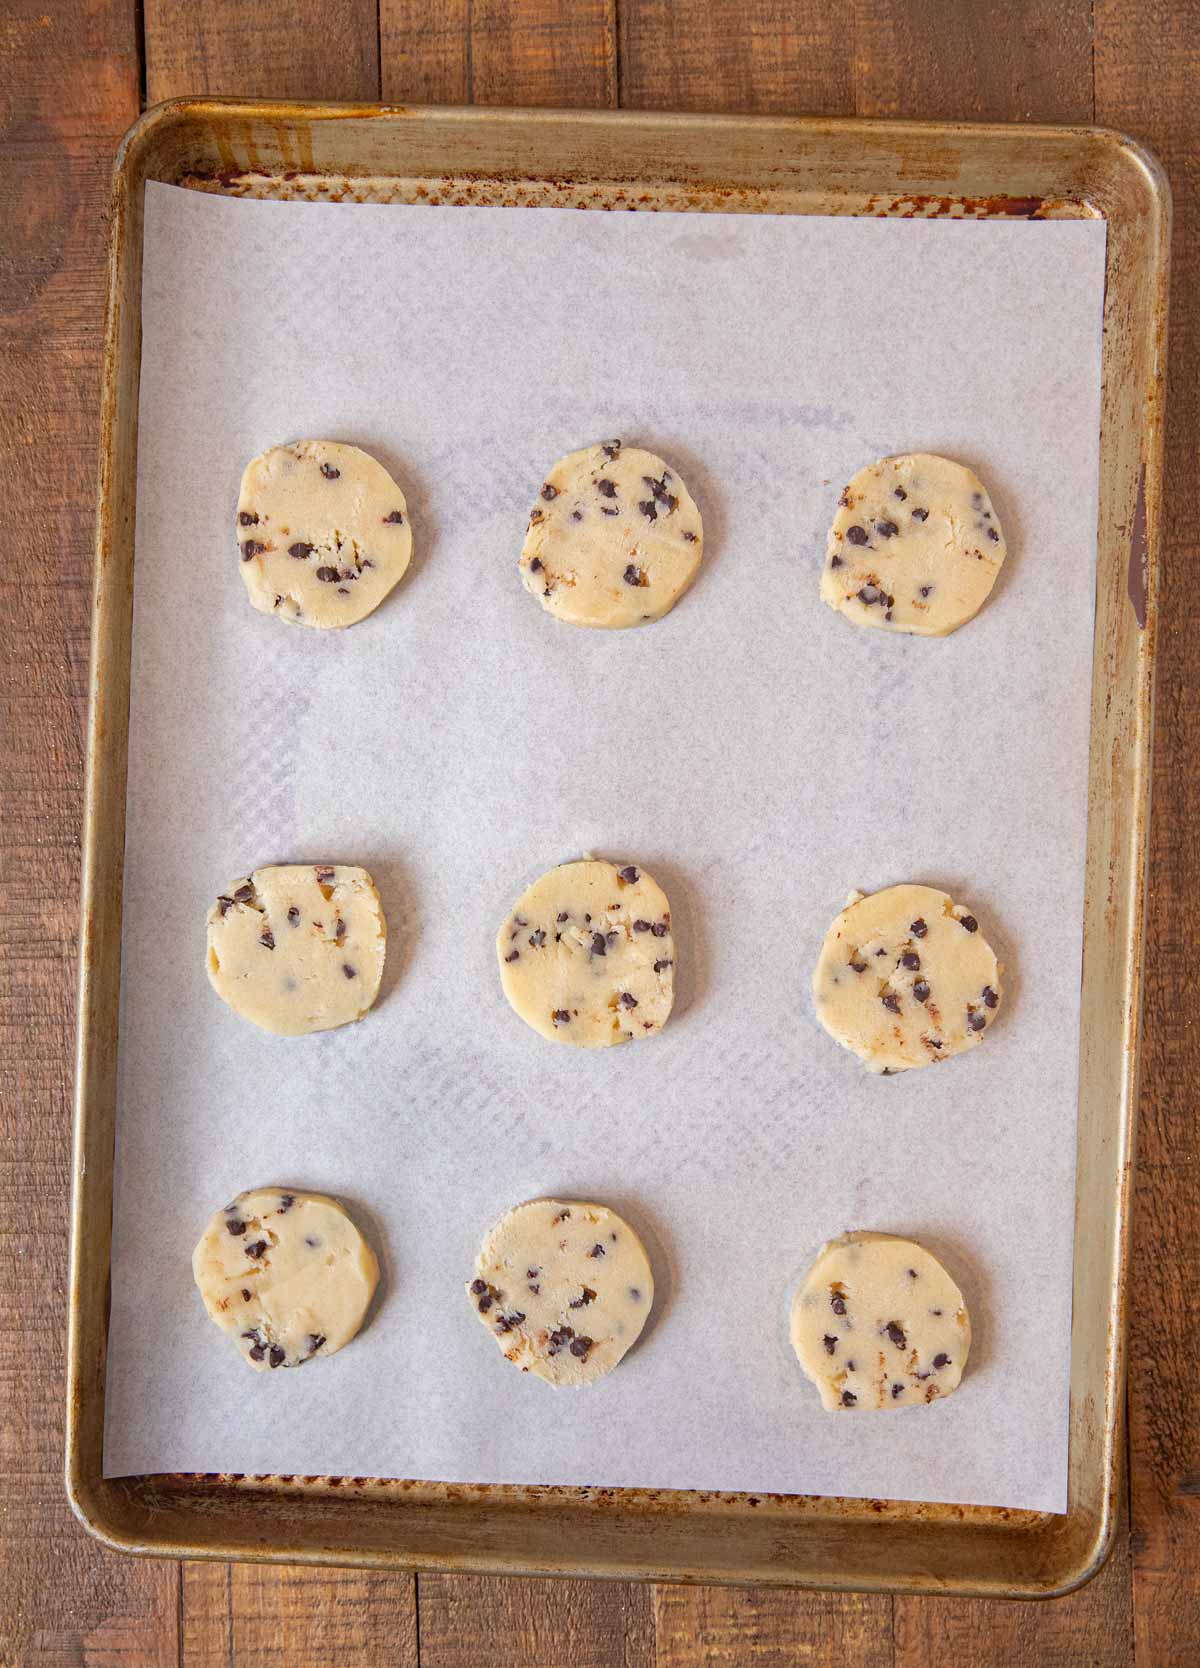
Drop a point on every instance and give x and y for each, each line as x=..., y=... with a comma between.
x=603, y=160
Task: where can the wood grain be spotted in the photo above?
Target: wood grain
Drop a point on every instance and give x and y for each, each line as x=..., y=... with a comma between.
x=525, y=52
x=1148, y=81
x=729, y=1627
x=255, y=1616
x=262, y=48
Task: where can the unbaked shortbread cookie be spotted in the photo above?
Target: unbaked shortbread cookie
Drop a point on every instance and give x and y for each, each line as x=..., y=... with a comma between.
x=564, y=1287
x=298, y=947
x=915, y=546
x=906, y=978
x=614, y=538
x=587, y=956
x=286, y=1274
x=323, y=533
x=877, y=1322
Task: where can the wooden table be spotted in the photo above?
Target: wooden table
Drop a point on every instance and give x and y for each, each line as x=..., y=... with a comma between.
x=72, y=78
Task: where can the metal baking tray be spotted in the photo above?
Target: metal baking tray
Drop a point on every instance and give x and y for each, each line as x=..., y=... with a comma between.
x=753, y=165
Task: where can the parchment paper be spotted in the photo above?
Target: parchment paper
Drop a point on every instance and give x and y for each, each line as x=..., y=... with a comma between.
x=755, y=752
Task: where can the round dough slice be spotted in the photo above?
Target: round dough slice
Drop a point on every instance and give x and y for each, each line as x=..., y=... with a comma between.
x=286, y=1274
x=587, y=957
x=906, y=978
x=298, y=947
x=564, y=1288
x=323, y=533
x=877, y=1322
x=915, y=546
x=613, y=540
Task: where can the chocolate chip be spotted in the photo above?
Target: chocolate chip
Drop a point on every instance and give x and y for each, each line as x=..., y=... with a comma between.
x=339, y=930
x=835, y=561
x=830, y=1344
x=549, y=492
x=921, y=990
x=666, y=962
x=635, y=1294
x=869, y=594
x=896, y=1333
x=396, y=519
x=256, y=1351
x=589, y=1296
x=920, y=515
x=293, y=916
x=897, y=1390
x=580, y=1347
x=859, y=966
x=886, y=529
x=286, y=1201
x=990, y=999
x=881, y=952
x=690, y=537
x=993, y=535
x=235, y=1226
x=311, y=1241
x=891, y=1001
x=856, y=535
x=849, y=1366
x=911, y=1272
x=247, y=518
x=918, y=927
x=314, y=1341
x=538, y=938
x=911, y=960
x=659, y=929
x=560, y=1016
x=257, y=1249
x=935, y=1311
x=597, y=1250
x=969, y=923
x=925, y=590
x=977, y=500
x=629, y=875
x=329, y=472
x=940, y=1361
x=632, y=575
x=628, y=1001
x=536, y=565
x=267, y=938
x=478, y=1287
x=649, y=509
x=277, y=1357
x=641, y=926
x=485, y=1303
x=899, y=493
x=838, y=1303
x=606, y=488
x=848, y=1398
x=328, y=576
x=513, y=955
x=350, y=972
x=252, y=547
x=245, y=1294
x=599, y=947
x=975, y=1022
x=299, y=550
x=324, y=877
x=224, y=904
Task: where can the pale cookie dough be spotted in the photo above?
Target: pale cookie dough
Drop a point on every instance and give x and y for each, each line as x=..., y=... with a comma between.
x=286, y=1274
x=565, y=1289
x=613, y=540
x=323, y=533
x=906, y=978
x=915, y=546
x=877, y=1322
x=587, y=957
x=298, y=947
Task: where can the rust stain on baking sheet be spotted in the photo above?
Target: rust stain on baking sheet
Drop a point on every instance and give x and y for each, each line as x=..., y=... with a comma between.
x=1139, y=553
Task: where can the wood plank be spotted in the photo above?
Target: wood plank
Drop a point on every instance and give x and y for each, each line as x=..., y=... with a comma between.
x=467, y=1621
x=755, y=56
x=262, y=48
x=1147, y=74
x=257, y=1616
x=729, y=1627
x=69, y=80
x=526, y=52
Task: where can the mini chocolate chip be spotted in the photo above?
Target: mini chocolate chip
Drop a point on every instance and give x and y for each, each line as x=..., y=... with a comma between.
x=891, y=1000
x=886, y=529
x=921, y=990
x=918, y=927
x=856, y=535
x=666, y=962
x=830, y=1344
x=976, y=1022
x=899, y=493
x=881, y=952
x=580, y=1347
x=911, y=960
x=632, y=575
x=599, y=947
x=576, y=515
x=267, y=938
x=850, y=1366
x=339, y=930
x=538, y=938
x=969, y=923
x=606, y=488
x=920, y=515
x=350, y=972
x=977, y=500
x=224, y=905
x=604, y=510
x=897, y=1390
x=293, y=916
x=641, y=926
x=299, y=549
x=245, y=1295
x=286, y=1201
x=536, y=565
x=990, y=999
x=396, y=519
x=252, y=547
x=560, y=1016
x=925, y=590
x=993, y=535
x=314, y=1341
x=329, y=472
x=628, y=1001
x=257, y=1249
x=277, y=1357
x=235, y=1226
x=328, y=576
x=597, y=1250
x=869, y=594
x=896, y=1333
x=835, y=561
x=256, y=1351
x=859, y=966
x=838, y=1303
x=610, y=448
x=247, y=518
x=635, y=1294
x=911, y=1272
x=649, y=509
x=659, y=929
x=629, y=875
x=935, y=1311
x=549, y=492
x=848, y=1398
x=589, y=1296
x=312, y=1241
x=478, y=1287
x=941, y=1360
x=690, y=537
x=513, y=955
x=485, y=1303
x=324, y=877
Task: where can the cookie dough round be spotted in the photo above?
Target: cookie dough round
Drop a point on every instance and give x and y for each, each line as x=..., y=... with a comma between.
x=298, y=947
x=906, y=978
x=613, y=540
x=877, y=1322
x=286, y=1274
x=915, y=546
x=322, y=532
x=587, y=957
x=564, y=1287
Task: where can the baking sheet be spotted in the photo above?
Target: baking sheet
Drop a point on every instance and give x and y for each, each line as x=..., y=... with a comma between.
x=753, y=751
